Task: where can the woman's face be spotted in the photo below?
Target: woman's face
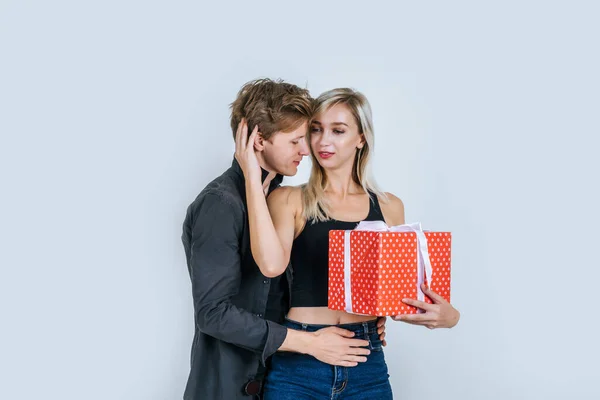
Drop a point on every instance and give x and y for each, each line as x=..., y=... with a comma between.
x=334, y=137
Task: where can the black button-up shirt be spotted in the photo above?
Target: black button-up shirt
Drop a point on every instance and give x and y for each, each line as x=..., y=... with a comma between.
x=231, y=297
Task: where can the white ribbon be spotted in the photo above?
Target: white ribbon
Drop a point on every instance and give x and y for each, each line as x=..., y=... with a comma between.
x=347, y=284
x=424, y=269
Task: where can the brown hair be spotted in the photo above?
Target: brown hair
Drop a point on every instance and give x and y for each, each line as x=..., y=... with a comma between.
x=275, y=106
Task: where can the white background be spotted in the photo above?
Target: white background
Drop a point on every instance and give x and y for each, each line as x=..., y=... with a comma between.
x=114, y=115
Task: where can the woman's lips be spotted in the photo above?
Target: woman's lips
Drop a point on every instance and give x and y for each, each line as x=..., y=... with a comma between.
x=325, y=154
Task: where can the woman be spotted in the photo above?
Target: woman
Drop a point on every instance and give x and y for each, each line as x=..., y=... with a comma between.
x=340, y=193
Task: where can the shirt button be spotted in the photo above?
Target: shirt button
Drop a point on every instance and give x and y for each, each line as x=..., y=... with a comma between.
x=259, y=315
x=266, y=281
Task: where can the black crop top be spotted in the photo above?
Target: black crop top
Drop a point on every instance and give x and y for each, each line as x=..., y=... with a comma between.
x=310, y=258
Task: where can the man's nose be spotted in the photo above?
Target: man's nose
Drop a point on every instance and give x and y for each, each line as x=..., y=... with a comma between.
x=304, y=149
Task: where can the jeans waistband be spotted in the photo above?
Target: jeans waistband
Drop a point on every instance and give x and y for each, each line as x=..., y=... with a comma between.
x=356, y=327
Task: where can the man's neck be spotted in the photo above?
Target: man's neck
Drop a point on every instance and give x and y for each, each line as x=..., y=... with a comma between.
x=268, y=180
x=267, y=173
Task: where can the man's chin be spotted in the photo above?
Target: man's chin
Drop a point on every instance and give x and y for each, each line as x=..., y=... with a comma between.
x=291, y=171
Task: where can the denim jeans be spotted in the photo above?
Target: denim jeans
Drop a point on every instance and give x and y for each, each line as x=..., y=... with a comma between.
x=296, y=376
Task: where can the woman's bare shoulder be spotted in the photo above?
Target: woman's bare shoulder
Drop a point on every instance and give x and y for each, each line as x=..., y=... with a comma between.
x=286, y=196
x=393, y=209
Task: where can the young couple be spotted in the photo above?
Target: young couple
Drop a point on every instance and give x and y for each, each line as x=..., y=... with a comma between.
x=257, y=254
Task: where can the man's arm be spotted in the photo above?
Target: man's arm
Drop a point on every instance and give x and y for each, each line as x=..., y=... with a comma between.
x=215, y=271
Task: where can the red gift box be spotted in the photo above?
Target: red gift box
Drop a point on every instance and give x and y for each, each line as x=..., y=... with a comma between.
x=374, y=267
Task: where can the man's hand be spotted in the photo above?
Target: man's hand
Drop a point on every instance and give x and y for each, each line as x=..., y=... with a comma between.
x=245, y=154
x=381, y=329
x=333, y=346
x=440, y=314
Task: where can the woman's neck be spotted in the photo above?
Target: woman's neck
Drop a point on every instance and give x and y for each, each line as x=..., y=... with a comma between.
x=340, y=183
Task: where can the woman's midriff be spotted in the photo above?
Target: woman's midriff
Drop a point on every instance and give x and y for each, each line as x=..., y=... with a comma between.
x=325, y=316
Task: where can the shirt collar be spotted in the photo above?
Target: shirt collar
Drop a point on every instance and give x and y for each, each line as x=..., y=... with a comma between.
x=274, y=183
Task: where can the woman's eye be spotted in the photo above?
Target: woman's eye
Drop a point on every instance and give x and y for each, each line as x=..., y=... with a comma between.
x=337, y=131
x=294, y=142
x=315, y=130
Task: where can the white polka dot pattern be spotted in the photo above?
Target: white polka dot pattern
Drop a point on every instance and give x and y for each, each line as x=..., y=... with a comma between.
x=383, y=269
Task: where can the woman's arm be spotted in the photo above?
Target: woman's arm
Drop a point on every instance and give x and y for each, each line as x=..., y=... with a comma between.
x=272, y=226
x=270, y=244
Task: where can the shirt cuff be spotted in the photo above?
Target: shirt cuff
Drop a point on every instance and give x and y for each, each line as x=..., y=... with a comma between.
x=275, y=337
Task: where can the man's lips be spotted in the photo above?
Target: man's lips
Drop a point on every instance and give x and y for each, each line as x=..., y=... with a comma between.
x=325, y=154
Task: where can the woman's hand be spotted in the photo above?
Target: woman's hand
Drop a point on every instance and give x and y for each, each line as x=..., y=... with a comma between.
x=245, y=154
x=440, y=314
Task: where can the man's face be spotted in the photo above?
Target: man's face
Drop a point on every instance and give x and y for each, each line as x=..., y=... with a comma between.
x=284, y=151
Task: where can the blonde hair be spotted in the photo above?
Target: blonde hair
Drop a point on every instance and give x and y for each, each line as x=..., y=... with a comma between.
x=315, y=206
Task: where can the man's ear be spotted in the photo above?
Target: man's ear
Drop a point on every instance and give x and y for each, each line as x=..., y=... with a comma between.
x=259, y=143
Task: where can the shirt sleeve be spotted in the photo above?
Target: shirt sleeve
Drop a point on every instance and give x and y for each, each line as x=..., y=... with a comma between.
x=215, y=272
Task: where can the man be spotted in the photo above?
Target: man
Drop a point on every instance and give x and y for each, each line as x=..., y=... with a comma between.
x=237, y=309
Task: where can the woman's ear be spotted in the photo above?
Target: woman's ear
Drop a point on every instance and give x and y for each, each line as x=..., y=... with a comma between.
x=362, y=142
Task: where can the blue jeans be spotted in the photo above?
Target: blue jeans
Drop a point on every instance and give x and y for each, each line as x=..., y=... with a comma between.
x=294, y=376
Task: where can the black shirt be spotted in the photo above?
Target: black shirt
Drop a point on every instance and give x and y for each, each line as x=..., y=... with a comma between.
x=278, y=302
x=231, y=297
x=310, y=257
